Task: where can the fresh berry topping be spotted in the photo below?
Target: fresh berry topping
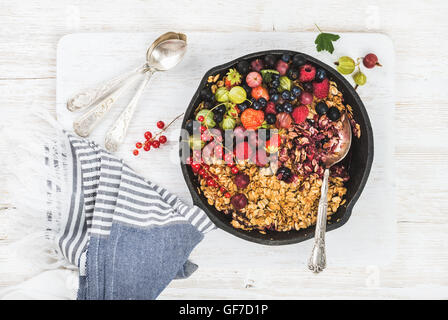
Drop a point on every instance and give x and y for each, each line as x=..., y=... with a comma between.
x=263, y=102
x=320, y=75
x=270, y=118
x=260, y=92
x=163, y=139
x=233, y=78
x=241, y=180
x=228, y=159
x=210, y=182
x=279, y=108
x=333, y=114
x=254, y=79
x=148, y=135
x=256, y=105
x=307, y=73
x=293, y=73
x=218, y=117
x=235, y=170
x=298, y=60
x=202, y=129
x=257, y=65
x=320, y=89
x=160, y=124
x=243, y=151
x=287, y=107
x=227, y=195
x=360, y=78
x=242, y=106
x=138, y=145
x=251, y=118
x=308, y=86
x=321, y=108
x=269, y=61
x=135, y=152
x=243, y=67
x=345, y=65
x=370, y=61
x=155, y=144
x=284, y=174
x=202, y=172
x=306, y=98
x=196, y=166
x=201, y=118
x=296, y=91
x=147, y=146
x=286, y=94
x=300, y=113
x=286, y=57
x=239, y=201
x=222, y=190
x=282, y=67
x=270, y=107
x=284, y=120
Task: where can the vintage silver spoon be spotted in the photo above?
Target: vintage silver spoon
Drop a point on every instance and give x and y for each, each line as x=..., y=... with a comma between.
x=317, y=261
x=103, y=97
x=164, y=55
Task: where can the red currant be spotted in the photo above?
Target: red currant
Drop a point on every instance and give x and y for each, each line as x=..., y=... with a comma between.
x=235, y=170
x=147, y=147
x=135, y=152
x=227, y=195
x=202, y=172
x=138, y=145
x=196, y=166
x=160, y=124
x=195, y=170
x=148, y=135
x=163, y=139
x=218, y=152
x=189, y=160
x=210, y=182
x=202, y=128
x=201, y=118
x=156, y=144
x=222, y=189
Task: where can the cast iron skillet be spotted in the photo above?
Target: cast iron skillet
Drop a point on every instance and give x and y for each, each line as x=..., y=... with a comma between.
x=358, y=162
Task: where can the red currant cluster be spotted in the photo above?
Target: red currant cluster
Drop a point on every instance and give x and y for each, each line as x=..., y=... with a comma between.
x=152, y=141
x=203, y=170
x=156, y=140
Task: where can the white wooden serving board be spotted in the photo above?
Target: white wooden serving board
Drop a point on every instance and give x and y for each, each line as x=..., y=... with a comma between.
x=368, y=238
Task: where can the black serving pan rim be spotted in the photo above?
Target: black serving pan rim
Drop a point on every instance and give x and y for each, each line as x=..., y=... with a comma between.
x=201, y=202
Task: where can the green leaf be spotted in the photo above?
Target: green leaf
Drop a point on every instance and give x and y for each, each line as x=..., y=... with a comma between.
x=324, y=41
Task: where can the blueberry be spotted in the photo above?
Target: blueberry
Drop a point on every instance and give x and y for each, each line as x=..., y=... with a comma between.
x=272, y=91
x=247, y=88
x=275, y=83
x=275, y=76
x=256, y=105
x=269, y=61
x=321, y=108
x=274, y=97
x=279, y=108
x=208, y=105
x=320, y=75
x=333, y=114
x=221, y=109
x=243, y=67
x=206, y=94
x=287, y=107
x=296, y=91
x=308, y=86
x=262, y=102
x=286, y=95
x=218, y=117
x=270, y=118
x=243, y=106
x=292, y=73
x=298, y=60
x=286, y=57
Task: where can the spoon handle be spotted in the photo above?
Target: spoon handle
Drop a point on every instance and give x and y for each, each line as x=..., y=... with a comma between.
x=85, y=124
x=317, y=261
x=92, y=96
x=117, y=133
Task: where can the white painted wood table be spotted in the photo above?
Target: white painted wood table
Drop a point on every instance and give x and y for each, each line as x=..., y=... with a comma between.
x=29, y=34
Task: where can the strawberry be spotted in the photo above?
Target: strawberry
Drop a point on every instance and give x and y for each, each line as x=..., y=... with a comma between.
x=300, y=113
x=259, y=92
x=243, y=151
x=320, y=89
x=251, y=118
x=270, y=108
x=307, y=73
x=254, y=79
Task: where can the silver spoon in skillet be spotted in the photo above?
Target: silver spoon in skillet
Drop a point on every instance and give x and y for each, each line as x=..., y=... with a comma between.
x=166, y=52
x=317, y=261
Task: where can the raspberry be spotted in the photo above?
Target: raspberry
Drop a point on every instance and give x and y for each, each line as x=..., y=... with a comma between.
x=320, y=89
x=307, y=73
x=270, y=108
x=300, y=113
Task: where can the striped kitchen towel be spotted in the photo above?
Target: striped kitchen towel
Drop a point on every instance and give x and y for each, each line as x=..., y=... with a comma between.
x=128, y=236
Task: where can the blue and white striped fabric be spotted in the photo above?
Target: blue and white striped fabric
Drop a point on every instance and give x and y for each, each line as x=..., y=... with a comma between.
x=108, y=201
